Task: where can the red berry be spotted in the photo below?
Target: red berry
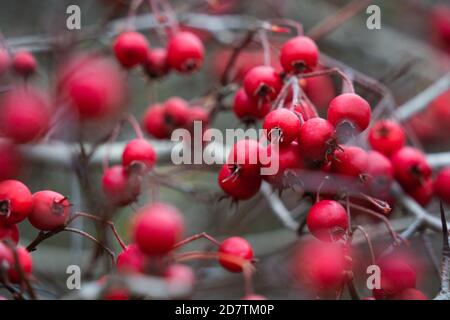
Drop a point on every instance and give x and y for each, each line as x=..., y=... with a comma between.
x=131, y=48
x=350, y=161
x=139, y=151
x=9, y=232
x=176, y=113
x=155, y=122
x=116, y=294
x=379, y=171
x=131, y=260
x=327, y=220
x=247, y=109
x=5, y=61
x=237, y=186
x=24, y=63
x=16, y=201
x=185, y=52
x=284, y=123
x=397, y=275
x=120, y=186
x=299, y=54
x=423, y=193
x=387, y=137
x=156, y=66
x=25, y=115
x=25, y=262
x=50, y=210
x=305, y=110
x=349, y=107
x=10, y=160
x=246, y=155
x=316, y=139
x=442, y=184
x=157, y=229
x=411, y=167
x=288, y=157
x=410, y=294
x=232, y=251
x=180, y=274
x=262, y=83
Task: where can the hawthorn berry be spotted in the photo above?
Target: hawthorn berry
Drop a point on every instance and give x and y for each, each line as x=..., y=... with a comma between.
x=156, y=66
x=350, y=161
x=185, y=52
x=120, y=185
x=10, y=160
x=349, y=108
x=262, y=83
x=155, y=122
x=131, y=48
x=247, y=109
x=176, y=112
x=387, y=137
x=139, y=151
x=411, y=167
x=25, y=115
x=232, y=251
x=157, y=229
x=316, y=139
x=16, y=201
x=9, y=232
x=380, y=172
x=397, y=275
x=25, y=264
x=284, y=123
x=442, y=184
x=299, y=54
x=237, y=186
x=246, y=156
x=116, y=294
x=50, y=210
x=131, y=260
x=410, y=294
x=24, y=63
x=327, y=220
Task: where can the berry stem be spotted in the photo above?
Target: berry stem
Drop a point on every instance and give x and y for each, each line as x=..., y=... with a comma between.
x=203, y=235
x=93, y=239
x=132, y=11
x=369, y=242
x=135, y=125
x=113, y=137
x=325, y=72
x=265, y=45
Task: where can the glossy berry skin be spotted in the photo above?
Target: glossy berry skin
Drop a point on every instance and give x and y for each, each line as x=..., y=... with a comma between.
x=247, y=109
x=286, y=124
x=350, y=161
x=131, y=48
x=299, y=54
x=327, y=220
x=131, y=260
x=423, y=193
x=410, y=294
x=316, y=139
x=180, y=274
x=176, y=113
x=262, y=83
x=50, y=210
x=237, y=186
x=411, y=167
x=156, y=66
x=139, y=151
x=10, y=160
x=24, y=63
x=234, y=247
x=397, y=275
x=25, y=262
x=185, y=52
x=120, y=186
x=246, y=156
x=16, y=201
x=157, y=228
x=386, y=137
x=9, y=232
x=352, y=108
x=442, y=185
x=154, y=122
x=24, y=115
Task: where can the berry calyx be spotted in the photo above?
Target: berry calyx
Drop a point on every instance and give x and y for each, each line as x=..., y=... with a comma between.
x=121, y=186
x=131, y=48
x=262, y=83
x=299, y=54
x=185, y=52
x=349, y=108
x=234, y=247
x=442, y=185
x=282, y=124
x=24, y=63
x=316, y=139
x=157, y=228
x=387, y=137
x=327, y=220
x=140, y=152
x=16, y=201
x=50, y=210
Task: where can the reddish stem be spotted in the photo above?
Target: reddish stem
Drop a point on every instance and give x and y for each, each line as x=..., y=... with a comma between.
x=196, y=237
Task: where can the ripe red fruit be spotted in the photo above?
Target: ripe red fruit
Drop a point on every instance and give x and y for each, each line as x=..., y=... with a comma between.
x=327, y=220
x=5, y=61
x=237, y=186
x=157, y=229
x=316, y=139
x=131, y=260
x=247, y=109
x=305, y=110
x=10, y=160
x=380, y=172
x=350, y=161
x=411, y=167
x=234, y=248
x=155, y=122
x=176, y=113
x=423, y=193
x=24, y=63
x=180, y=274
x=299, y=54
x=397, y=275
x=131, y=48
x=262, y=83
x=16, y=201
x=25, y=263
x=185, y=52
x=284, y=123
x=198, y=114
x=120, y=186
x=156, y=66
x=352, y=108
x=50, y=210
x=93, y=86
x=288, y=158
x=442, y=184
x=410, y=294
x=139, y=151
x=25, y=115
x=9, y=232
x=246, y=155
x=387, y=137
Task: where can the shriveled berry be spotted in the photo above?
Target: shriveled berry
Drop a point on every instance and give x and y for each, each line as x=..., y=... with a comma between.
x=131, y=48
x=327, y=220
x=387, y=137
x=232, y=251
x=16, y=201
x=185, y=52
x=50, y=210
x=299, y=54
